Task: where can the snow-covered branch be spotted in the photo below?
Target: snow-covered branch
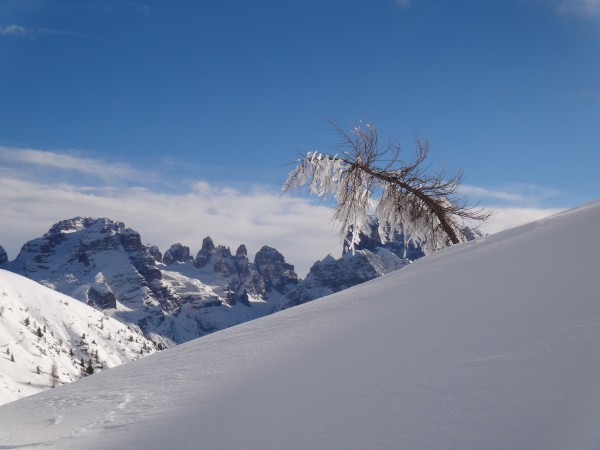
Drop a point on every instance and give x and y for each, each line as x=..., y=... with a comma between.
x=366, y=178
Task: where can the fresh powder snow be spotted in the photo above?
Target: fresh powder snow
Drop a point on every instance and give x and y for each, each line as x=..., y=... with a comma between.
x=45, y=336
x=491, y=344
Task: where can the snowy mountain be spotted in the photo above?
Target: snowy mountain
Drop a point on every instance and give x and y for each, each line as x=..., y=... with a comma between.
x=104, y=264
x=468, y=348
x=178, y=297
x=47, y=339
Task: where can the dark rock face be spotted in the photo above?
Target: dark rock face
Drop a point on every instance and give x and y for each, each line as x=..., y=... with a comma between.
x=341, y=274
x=176, y=253
x=242, y=264
x=101, y=299
x=3, y=256
x=223, y=263
x=155, y=253
x=277, y=274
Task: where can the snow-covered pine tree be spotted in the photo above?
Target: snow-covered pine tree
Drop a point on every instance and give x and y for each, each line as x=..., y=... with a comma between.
x=366, y=177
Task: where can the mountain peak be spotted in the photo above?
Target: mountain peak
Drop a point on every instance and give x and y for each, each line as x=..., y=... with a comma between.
x=81, y=223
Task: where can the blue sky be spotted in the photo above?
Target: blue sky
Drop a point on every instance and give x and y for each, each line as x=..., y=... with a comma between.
x=196, y=107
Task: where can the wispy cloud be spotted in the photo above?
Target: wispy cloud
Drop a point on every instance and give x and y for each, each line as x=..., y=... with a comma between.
x=516, y=194
x=20, y=31
x=11, y=9
x=582, y=9
x=67, y=162
x=403, y=3
x=586, y=8
x=140, y=8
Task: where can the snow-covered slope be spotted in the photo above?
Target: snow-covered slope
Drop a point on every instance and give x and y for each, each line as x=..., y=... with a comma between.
x=492, y=344
x=45, y=336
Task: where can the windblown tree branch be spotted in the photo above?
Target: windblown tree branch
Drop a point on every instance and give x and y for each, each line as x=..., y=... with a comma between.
x=368, y=178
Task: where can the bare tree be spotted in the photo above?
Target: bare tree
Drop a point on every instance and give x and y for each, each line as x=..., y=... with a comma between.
x=366, y=177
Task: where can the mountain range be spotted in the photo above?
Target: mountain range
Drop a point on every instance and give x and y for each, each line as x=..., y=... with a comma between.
x=175, y=297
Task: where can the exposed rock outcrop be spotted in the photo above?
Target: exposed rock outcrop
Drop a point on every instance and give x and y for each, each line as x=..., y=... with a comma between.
x=204, y=253
x=155, y=253
x=176, y=253
x=3, y=256
x=277, y=274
